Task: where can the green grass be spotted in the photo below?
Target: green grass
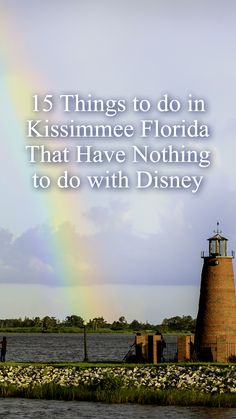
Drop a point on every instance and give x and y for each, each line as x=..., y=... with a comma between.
x=60, y=329
x=72, y=329
x=110, y=389
x=110, y=364
x=120, y=395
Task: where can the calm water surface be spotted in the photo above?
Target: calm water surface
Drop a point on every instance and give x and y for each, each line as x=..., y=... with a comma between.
x=23, y=408
x=68, y=346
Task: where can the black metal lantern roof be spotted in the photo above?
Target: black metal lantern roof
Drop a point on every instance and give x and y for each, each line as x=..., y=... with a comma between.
x=217, y=236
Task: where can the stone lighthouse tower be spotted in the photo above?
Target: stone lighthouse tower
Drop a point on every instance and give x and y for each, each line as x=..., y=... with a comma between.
x=216, y=320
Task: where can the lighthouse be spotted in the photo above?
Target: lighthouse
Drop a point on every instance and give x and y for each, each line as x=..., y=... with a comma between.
x=216, y=319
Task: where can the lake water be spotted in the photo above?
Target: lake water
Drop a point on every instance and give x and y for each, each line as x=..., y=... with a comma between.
x=66, y=346
x=49, y=409
x=55, y=347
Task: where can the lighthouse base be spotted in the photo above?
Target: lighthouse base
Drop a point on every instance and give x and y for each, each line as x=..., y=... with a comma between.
x=222, y=349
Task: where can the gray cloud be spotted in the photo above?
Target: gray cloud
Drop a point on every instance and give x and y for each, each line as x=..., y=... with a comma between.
x=116, y=252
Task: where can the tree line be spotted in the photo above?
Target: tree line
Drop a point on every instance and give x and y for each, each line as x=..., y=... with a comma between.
x=173, y=324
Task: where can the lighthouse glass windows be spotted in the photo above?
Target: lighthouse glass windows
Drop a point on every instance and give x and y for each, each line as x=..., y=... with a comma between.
x=223, y=248
x=218, y=247
x=212, y=247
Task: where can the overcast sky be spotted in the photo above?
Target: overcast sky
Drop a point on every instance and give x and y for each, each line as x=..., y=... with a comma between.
x=130, y=252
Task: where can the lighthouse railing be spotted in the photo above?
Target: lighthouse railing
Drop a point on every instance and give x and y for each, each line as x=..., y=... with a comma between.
x=205, y=254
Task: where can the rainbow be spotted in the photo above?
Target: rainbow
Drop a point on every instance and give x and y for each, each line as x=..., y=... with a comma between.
x=60, y=209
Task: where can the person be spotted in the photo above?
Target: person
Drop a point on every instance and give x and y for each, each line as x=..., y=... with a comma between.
x=161, y=345
x=3, y=348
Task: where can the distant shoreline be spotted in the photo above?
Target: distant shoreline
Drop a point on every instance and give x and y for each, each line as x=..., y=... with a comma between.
x=89, y=331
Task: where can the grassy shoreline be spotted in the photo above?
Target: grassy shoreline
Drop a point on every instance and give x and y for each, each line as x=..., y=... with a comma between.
x=81, y=330
x=175, y=384
x=123, y=395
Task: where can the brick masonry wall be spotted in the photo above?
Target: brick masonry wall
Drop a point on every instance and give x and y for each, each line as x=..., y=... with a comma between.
x=185, y=344
x=217, y=303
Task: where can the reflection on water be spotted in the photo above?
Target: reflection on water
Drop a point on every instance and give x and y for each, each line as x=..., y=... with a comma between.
x=69, y=347
x=36, y=409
